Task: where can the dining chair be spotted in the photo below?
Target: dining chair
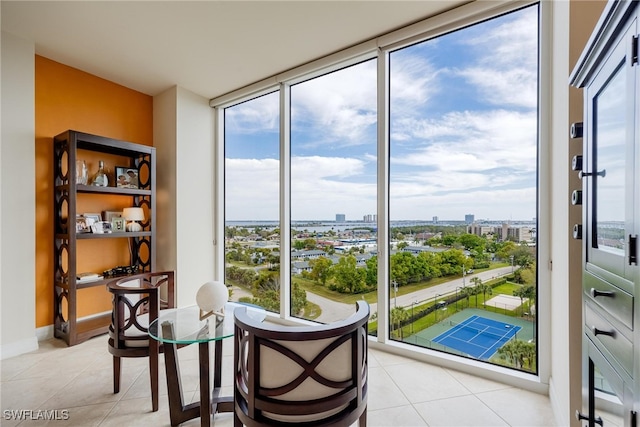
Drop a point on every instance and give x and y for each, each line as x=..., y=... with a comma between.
x=301, y=375
x=137, y=301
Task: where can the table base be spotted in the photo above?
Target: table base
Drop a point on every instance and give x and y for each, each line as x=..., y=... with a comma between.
x=210, y=403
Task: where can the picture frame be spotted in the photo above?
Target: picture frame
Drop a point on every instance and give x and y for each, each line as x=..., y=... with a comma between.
x=91, y=218
x=110, y=215
x=118, y=224
x=126, y=177
x=81, y=225
x=101, y=227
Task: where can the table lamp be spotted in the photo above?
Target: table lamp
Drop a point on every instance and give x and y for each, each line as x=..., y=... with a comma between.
x=133, y=215
x=211, y=298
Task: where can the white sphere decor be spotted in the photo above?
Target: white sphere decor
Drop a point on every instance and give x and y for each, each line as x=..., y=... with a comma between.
x=211, y=298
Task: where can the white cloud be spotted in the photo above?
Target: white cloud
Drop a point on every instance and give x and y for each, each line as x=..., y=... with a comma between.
x=506, y=73
x=258, y=115
x=471, y=141
x=339, y=107
x=321, y=187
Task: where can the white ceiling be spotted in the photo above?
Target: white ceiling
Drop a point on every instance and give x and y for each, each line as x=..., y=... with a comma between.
x=207, y=47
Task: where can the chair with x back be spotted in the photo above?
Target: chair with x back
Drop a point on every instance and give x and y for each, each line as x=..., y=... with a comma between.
x=301, y=375
x=137, y=301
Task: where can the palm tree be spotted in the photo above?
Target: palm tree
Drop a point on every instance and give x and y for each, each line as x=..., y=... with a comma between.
x=477, y=283
x=484, y=289
x=398, y=315
x=466, y=292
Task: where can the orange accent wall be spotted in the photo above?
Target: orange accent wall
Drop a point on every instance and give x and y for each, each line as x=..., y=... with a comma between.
x=67, y=98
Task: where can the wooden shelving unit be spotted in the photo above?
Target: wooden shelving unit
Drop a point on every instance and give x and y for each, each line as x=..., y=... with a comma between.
x=67, y=193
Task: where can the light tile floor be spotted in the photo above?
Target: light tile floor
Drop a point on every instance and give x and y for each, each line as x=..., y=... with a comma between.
x=403, y=392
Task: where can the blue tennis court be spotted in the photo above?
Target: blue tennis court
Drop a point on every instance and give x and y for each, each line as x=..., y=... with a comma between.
x=478, y=336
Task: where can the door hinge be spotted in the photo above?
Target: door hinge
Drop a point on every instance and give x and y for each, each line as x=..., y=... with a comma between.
x=633, y=249
x=634, y=50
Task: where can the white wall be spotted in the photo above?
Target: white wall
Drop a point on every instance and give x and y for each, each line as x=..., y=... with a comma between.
x=17, y=198
x=183, y=137
x=565, y=317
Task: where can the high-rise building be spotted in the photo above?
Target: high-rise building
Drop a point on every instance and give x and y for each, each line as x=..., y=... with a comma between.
x=435, y=219
x=469, y=218
x=370, y=218
x=340, y=217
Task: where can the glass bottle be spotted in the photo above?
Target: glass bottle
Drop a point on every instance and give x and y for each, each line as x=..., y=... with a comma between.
x=81, y=172
x=101, y=179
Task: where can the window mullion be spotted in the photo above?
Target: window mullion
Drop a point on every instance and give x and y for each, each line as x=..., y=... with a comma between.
x=285, y=200
x=383, y=196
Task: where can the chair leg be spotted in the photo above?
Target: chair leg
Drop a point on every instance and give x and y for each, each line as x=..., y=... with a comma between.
x=362, y=422
x=116, y=374
x=236, y=420
x=153, y=373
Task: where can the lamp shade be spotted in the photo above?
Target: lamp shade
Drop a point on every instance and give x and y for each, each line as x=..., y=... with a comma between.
x=133, y=214
x=212, y=296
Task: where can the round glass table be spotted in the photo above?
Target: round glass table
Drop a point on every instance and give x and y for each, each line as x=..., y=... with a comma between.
x=183, y=326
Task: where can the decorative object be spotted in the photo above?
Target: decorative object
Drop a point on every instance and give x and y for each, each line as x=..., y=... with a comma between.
x=91, y=218
x=121, y=270
x=109, y=215
x=118, y=224
x=81, y=225
x=82, y=174
x=211, y=298
x=101, y=227
x=100, y=179
x=126, y=177
x=133, y=215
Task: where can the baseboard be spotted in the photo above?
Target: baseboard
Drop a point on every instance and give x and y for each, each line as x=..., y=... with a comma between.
x=44, y=333
x=19, y=347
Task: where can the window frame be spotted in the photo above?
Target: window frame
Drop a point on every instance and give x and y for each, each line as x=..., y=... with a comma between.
x=380, y=48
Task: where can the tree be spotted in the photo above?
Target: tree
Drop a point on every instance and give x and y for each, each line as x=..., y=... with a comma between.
x=519, y=354
x=371, y=278
x=398, y=315
x=466, y=292
x=321, y=269
x=401, y=245
x=523, y=292
x=476, y=289
x=472, y=242
x=347, y=276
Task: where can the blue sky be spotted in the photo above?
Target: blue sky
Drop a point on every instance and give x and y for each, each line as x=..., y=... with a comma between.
x=462, y=134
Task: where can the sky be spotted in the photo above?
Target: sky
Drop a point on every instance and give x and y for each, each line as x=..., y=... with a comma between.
x=463, y=134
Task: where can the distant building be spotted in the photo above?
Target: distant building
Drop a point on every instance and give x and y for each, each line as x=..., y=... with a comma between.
x=435, y=219
x=370, y=218
x=340, y=217
x=469, y=218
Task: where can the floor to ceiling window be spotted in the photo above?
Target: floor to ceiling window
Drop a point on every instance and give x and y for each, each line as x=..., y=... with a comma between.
x=333, y=193
x=455, y=209
x=463, y=191
x=251, y=201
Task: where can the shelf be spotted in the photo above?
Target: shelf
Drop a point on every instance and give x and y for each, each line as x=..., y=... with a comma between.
x=66, y=191
x=88, y=328
x=82, y=236
x=112, y=190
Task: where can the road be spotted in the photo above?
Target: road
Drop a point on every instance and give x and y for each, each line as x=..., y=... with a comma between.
x=332, y=310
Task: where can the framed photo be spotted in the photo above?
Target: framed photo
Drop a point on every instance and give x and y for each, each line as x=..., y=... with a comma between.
x=101, y=227
x=126, y=177
x=91, y=218
x=81, y=225
x=118, y=224
x=109, y=215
